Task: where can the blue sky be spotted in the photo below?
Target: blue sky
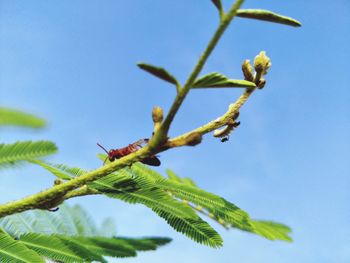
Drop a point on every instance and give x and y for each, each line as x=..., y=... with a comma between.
x=73, y=63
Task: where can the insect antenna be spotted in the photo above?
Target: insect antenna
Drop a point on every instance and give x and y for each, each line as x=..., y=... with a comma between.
x=102, y=147
x=105, y=151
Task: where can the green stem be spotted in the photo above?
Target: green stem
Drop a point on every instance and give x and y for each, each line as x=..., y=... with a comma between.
x=161, y=136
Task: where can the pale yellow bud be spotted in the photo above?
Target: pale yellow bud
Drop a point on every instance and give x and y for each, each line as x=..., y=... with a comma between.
x=157, y=114
x=262, y=63
x=247, y=70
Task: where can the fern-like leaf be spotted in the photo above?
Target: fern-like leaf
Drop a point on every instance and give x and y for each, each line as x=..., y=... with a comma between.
x=214, y=206
x=17, y=224
x=142, y=191
x=26, y=150
x=69, y=235
x=11, y=117
x=15, y=252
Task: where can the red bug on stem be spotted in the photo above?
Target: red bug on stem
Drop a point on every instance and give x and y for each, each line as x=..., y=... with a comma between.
x=121, y=152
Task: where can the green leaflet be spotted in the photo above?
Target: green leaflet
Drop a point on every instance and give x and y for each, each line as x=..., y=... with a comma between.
x=25, y=150
x=16, y=252
x=158, y=72
x=11, y=117
x=218, y=80
x=269, y=16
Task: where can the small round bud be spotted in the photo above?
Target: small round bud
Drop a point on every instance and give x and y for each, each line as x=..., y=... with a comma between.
x=247, y=70
x=57, y=182
x=157, y=114
x=262, y=63
x=261, y=83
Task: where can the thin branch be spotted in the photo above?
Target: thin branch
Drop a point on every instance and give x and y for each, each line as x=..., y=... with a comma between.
x=161, y=136
x=211, y=126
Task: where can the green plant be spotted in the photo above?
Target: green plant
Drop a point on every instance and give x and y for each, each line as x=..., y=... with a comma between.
x=68, y=235
x=177, y=200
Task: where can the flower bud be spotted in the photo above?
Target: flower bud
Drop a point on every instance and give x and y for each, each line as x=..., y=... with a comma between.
x=247, y=70
x=57, y=182
x=157, y=114
x=262, y=63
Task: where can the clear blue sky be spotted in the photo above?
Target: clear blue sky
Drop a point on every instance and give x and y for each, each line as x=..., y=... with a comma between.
x=73, y=63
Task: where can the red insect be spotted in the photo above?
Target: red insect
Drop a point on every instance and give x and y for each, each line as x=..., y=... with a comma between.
x=121, y=152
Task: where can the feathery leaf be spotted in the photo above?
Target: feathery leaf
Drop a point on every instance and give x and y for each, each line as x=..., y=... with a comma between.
x=69, y=235
x=15, y=252
x=13, y=117
x=210, y=204
x=141, y=190
x=25, y=150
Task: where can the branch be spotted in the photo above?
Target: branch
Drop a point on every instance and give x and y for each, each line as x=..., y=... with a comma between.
x=55, y=195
